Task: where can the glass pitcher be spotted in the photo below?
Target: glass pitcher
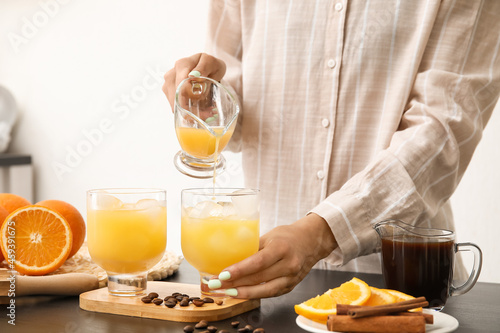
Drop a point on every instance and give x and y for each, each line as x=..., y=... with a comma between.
x=205, y=115
x=420, y=261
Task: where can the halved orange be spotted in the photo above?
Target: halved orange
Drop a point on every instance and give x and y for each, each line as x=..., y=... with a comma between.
x=39, y=239
x=74, y=219
x=353, y=292
x=380, y=297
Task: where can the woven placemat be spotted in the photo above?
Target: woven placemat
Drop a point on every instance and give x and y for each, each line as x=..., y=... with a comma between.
x=81, y=262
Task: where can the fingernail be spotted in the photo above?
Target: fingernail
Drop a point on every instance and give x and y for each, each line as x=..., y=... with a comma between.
x=225, y=275
x=214, y=284
x=231, y=292
x=194, y=73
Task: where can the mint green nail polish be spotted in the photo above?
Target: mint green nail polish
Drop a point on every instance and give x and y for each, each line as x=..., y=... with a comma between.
x=231, y=292
x=214, y=284
x=223, y=276
x=194, y=73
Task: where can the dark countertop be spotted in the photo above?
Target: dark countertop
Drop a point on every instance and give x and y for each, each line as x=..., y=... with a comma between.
x=477, y=311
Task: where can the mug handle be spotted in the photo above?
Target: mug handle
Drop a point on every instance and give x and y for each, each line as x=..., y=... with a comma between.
x=476, y=269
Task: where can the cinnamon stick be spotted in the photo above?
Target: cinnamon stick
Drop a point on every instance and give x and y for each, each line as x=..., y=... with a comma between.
x=364, y=311
x=342, y=309
x=387, y=324
x=429, y=319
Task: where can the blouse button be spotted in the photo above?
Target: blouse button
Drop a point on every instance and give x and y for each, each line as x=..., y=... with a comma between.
x=320, y=174
x=331, y=63
x=325, y=122
x=338, y=6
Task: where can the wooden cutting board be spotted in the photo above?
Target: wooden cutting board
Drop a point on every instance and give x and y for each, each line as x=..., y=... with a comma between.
x=4, y=286
x=101, y=301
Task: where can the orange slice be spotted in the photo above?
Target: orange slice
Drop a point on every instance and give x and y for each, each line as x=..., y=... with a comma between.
x=353, y=292
x=317, y=308
x=38, y=237
x=380, y=297
x=400, y=296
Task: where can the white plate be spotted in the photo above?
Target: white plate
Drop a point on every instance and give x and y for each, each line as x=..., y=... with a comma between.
x=443, y=323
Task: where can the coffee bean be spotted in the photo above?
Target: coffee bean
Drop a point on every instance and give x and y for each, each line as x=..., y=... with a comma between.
x=219, y=302
x=153, y=295
x=259, y=330
x=198, y=302
x=170, y=304
x=157, y=301
x=249, y=328
x=188, y=329
x=179, y=298
x=243, y=330
x=223, y=331
x=212, y=329
x=176, y=294
x=235, y=324
x=146, y=299
x=184, y=302
x=201, y=324
x=208, y=300
x=170, y=299
x=193, y=298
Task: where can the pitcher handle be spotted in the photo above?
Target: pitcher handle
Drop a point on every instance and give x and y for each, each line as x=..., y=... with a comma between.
x=476, y=269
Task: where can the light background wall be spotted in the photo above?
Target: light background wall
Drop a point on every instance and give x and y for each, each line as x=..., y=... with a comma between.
x=87, y=76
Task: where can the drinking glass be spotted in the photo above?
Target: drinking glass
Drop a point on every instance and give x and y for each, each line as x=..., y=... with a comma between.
x=205, y=115
x=219, y=227
x=126, y=235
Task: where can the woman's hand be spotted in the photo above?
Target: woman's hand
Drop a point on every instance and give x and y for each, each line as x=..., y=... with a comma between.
x=205, y=64
x=287, y=253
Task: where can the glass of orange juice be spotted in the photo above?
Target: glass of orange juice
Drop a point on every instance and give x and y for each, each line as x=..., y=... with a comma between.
x=205, y=115
x=219, y=227
x=126, y=235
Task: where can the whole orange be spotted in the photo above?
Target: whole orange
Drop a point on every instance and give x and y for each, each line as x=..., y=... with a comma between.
x=3, y=214
x=11, y=202
x=74, y=218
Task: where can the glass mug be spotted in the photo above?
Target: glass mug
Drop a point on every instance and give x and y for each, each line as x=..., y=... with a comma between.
x=205, y=115
x=219, y=227
x=419, y=261
x=126, y=235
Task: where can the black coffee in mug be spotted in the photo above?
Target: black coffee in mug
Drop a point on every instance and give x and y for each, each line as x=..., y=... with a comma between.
x=419, y=268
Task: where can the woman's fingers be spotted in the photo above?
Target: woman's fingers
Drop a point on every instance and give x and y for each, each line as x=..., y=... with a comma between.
x=276, y=287
x=287, y=253
x=274, y=270
x=205, y=64
x=211, y=67
x=253, y=265
x=273, y=281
